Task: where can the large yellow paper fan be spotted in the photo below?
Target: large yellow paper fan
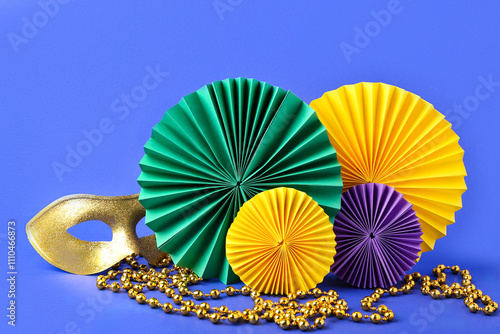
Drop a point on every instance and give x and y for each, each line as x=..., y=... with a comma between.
x=384, y=134
x=281, y=241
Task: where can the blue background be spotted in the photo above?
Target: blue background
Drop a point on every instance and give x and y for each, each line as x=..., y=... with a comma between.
x=65, y=76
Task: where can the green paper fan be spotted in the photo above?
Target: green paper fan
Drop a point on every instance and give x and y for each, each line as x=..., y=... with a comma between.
x=219, y=147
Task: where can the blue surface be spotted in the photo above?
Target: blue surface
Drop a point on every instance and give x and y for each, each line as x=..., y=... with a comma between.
x=74, y=72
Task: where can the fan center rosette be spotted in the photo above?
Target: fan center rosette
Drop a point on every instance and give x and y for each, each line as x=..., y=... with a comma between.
x=219, y=147
x=280, y=242
x=378, y=236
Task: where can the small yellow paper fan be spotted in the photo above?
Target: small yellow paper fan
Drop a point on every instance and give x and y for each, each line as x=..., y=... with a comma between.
x=281, y=241
x=384, y=134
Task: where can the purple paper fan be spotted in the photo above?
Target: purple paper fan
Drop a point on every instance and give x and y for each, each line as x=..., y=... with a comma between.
x=378, y=236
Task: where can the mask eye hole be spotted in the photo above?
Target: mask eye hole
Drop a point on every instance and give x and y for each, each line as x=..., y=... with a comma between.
x=92, y=230
x=141, y=229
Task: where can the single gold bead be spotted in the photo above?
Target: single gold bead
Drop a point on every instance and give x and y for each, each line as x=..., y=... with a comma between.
x=101, y=284
x=268, y=315
x=292, y=296
x=494, y=305
x=465, y=282
x=444, y=287
x=426, y=278
x=436, y=271
x=393, y=291
x=197, y=294
x=189, y=303
x=153, y=302
x=267, y=304
x=138, y=287
x=112, y=274
x=485, y=299
x=301, y=294
x=258, y=301
x=223, y=310
x=375, y=318
x=411, y=284
x=375, y=297
x=357, y=316
x=101, y=277
x=151, y=285
x=257, y=309
x=464, y=272
x=441, y=280
x=115, y=287
x=406, y=289
x=278, y=310
x=340, y=314
x=293, y=305
x=303, y=325
x=177, y=299
x=366, y=306
x=435, y=284
x=382, y=309
x=233, y=317
x=473, y=307
x=132, y=293
x=455, y=269
x=389, y=316
x=215, y=318
x=441, y=267
x=469, y=277
x=317, y=292
x=435, y=294
x=214, y=293
x=319, y=323
x=205, y=306
x=448, y=293
x=140, y=298
x=455, y=286
x=367, y=299
x=488, y=310
x=326, y=311
x=230, y=291
x=200, y=313
x=408, y=277
x=245, y=290
x=380, y=291
x=332, y=293
x=425, y=290
x=470, y=288
x=472, y=295
x=468, y=300
x=416, y=276
x=458, y=293
x=283, y=301
x=254, y=294
x=253, y=319
x=284, y=323
x=127, y=286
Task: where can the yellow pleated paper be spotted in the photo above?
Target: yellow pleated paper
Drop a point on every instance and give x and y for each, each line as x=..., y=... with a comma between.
x=281, y=241
x=384, y=134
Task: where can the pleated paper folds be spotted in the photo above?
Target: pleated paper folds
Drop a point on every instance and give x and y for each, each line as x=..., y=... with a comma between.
x=384, y=134
x=281, y=241
x=378, y=236
x=219, y=147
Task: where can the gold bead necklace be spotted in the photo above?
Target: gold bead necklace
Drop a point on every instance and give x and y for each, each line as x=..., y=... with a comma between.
x=288, y=312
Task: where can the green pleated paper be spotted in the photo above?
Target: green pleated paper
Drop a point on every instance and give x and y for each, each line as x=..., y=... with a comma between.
x=219, y=147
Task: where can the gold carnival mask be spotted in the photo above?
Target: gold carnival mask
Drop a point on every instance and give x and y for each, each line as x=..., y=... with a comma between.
x=48, y=233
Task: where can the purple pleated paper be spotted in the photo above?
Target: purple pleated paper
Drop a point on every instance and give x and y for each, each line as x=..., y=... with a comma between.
x=378, y=236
